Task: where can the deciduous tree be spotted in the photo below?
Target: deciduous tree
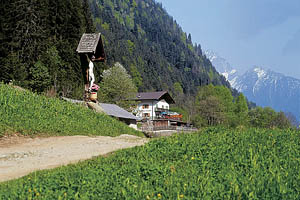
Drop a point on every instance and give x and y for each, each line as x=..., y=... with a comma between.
x=117, y=87
x=241, y=110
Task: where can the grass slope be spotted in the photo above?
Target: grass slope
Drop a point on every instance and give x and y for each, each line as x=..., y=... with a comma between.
x=29, y=114
x=214, y=164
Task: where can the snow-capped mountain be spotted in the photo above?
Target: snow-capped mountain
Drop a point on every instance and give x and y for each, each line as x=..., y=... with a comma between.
x=268, y=88
x=222, y=66
x=264, y=87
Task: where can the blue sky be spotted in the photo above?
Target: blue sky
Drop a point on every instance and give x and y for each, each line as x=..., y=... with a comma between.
x=263, y=33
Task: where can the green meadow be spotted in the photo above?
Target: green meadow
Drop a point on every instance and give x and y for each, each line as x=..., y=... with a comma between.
x=215, y=163
x=27, y=113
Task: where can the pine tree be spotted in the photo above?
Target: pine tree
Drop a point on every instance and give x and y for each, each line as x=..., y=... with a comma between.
x=39, y=77
x=136, y=76
x=88, y=17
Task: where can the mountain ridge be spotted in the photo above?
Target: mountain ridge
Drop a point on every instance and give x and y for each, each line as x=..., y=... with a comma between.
x=265, y=87
x=222, y=66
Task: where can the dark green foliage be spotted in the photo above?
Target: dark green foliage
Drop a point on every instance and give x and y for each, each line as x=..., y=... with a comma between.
x=214, y=164
x=215, y=105
x=117, y=87
x=41, y=36
x=282, y=121
x=56, y=66
x=268, y=118
x=39, y=77
x=31, y=114
x=178, y=94
x=241, y=110
x=140, y=33
x=39, y=39
x=136, y=76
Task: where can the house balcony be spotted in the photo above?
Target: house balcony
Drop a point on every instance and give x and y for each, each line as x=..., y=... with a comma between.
x=163, y=117
x=161, y=110
x=170, y=117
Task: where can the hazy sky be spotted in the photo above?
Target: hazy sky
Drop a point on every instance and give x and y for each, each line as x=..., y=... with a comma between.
x=247, y=33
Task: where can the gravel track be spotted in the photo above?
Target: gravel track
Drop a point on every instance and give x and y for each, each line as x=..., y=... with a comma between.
x=20, y=156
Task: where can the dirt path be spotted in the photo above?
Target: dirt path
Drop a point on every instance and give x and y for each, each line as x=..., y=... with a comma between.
x=20, y=155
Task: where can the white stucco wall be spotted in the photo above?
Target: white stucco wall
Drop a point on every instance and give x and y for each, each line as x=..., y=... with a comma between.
x=162, y=104
x=152, y=106
x=142, y=110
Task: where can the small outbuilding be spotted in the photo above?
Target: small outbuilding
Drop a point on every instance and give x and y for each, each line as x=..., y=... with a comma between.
x=112, y=110
x=120, y=113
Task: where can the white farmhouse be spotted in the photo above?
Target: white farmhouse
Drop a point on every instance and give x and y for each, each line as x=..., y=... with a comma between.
x=152, y=105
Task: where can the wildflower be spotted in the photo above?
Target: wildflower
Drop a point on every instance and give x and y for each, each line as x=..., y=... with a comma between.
x=158, y=195
x=193, y=158
x=184, y=187
x=65, y=194
x=181, y=196
x=38, y=194
x=29, y=190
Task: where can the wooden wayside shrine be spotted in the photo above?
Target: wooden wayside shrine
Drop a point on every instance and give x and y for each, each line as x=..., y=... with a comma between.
x=90, y=47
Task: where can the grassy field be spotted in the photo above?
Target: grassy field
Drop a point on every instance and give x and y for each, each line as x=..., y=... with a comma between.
x=212, y=164
x=32, y=114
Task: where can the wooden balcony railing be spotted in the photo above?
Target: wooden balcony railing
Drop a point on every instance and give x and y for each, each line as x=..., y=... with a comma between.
x=161, y=110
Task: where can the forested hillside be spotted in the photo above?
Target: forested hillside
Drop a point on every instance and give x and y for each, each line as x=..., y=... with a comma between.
x=38, y=42
x=39, y=39
x=152, y=46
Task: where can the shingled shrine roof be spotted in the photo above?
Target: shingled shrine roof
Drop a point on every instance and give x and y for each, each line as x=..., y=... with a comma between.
x=91, y=43
x=88, y=43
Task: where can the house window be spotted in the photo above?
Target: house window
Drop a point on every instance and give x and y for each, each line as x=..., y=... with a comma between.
x=145, y=106
x=146, y=115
